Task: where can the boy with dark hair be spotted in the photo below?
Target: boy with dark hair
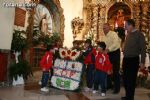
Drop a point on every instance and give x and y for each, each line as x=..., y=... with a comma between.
x=46, y=64
x=75, y=45
x=103, y=68
x=89, y=61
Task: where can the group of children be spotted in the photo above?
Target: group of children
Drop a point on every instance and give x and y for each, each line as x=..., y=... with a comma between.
x=96, y=66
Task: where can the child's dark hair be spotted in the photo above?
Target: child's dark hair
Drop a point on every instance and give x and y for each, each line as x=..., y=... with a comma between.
x=102, y=45
x=49, y=47
x=88, y=41
x=75, y=42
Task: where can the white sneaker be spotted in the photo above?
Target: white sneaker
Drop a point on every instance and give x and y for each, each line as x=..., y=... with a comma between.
x=103, y=94
x=87, y=89
x=94, y=91
x=40, y=83
x=44, y=89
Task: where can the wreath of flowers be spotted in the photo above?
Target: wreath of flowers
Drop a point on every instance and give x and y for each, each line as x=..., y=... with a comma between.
x=68, y=54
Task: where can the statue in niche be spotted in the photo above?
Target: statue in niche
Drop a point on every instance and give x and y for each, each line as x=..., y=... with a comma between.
x=44, y=25
x=43, y=20
x=120, y=19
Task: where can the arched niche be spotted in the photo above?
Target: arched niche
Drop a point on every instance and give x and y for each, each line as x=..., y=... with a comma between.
x=112, y=13
x=56, y=14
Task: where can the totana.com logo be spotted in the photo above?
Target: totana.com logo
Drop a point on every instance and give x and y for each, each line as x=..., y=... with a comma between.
x=11, y=4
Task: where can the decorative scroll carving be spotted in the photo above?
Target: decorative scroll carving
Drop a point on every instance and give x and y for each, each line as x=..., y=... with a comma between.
x=145, y=22
x=101, y=21
x=144, y=16
x=136, y=15
x=95, y=17
x=77, y=25
x=87, y=18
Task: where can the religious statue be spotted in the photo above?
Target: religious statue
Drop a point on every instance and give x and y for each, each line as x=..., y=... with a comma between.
x=120, y=19
x=44, y=25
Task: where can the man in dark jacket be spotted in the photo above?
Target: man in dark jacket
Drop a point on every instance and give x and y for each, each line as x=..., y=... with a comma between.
x=134, y=46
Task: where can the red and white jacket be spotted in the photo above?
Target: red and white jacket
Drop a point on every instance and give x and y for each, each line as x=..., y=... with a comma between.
x=102, y=62
x=90, y=56
x=47, y=61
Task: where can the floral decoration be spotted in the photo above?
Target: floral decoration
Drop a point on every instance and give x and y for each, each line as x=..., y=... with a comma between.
x=69, y=54
x=142, y=77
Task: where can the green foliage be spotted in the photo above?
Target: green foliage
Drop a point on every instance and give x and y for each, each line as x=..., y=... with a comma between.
x=92, y=37
x=39, y=37
x=18, y=42
x=36, y=37
x=51, y=40
x=22, y=68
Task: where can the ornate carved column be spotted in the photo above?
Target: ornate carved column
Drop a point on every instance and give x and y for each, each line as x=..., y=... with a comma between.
x=94, y=20
x=29, y=30
x=136, y=15
x=87, y=12
x=145, y=25
x=101, y=21
x=144, y=17
x=62, y=25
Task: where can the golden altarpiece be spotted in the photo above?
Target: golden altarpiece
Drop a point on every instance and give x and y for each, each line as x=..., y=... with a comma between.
x=97, y=12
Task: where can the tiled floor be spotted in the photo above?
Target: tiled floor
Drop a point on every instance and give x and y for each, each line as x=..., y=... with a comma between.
x=31, y=91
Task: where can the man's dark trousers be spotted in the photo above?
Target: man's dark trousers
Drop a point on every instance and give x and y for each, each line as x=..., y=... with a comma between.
x=130, y=70
x=115, y=61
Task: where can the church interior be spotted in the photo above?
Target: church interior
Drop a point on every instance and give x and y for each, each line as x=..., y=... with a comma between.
x=28, y=26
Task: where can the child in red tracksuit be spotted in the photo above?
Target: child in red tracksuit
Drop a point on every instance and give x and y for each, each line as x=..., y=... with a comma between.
x=89, y=62
x=46, y=64
x=103, y=68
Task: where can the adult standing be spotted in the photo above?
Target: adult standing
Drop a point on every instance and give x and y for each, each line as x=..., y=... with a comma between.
x=134, y=46
x=113, y=48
